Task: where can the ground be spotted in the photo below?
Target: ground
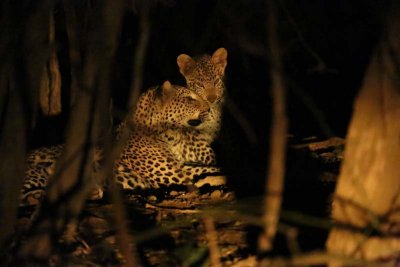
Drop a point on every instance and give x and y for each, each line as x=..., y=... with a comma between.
x=171, y=232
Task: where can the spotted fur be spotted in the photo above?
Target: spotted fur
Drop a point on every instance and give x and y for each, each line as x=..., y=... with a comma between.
x=41, y=164
x=159, y=167
x=149, y=160
x=187, y=142
x=205, y=76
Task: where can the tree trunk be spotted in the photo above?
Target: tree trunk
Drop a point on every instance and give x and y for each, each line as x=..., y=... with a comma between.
x=23, y=53
x=73, y=179
x=367, y=197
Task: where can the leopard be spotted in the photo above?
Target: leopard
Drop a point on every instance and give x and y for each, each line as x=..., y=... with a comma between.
x=41, y=165
x=147, y=161
x=185, y=141
x=205, y=77
x=189, y=144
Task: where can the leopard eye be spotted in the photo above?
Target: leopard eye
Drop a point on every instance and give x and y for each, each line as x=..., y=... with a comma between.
x=190, y=98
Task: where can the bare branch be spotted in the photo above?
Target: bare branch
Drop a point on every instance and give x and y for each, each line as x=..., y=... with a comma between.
x=66, y=194
x=276, y=166
x=140, y=54
x=242, y=120
x=212, y=237
x=74, y=51
x=50, y=85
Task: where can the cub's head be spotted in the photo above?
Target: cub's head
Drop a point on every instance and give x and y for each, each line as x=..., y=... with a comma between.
x=171, y=106
x=205, y=74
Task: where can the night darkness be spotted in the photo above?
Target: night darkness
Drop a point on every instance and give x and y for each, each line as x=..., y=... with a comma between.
x=326, y=46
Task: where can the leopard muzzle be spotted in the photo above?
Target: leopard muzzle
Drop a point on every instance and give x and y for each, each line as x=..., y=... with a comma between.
x=196, y=122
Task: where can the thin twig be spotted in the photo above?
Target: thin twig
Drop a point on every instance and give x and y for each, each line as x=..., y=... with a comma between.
x=276, y=167
x=241, y=119
x=140, y=54
x=212, y=237
x=128, y=249
x=125, y=240
x=321, y=66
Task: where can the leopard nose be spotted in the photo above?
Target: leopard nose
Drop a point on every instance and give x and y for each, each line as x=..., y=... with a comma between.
x=211, y=98
x=194, y=122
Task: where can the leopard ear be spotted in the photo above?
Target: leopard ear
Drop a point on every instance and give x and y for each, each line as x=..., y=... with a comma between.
x=167, y=91
x=186, y=64
x=219, y=60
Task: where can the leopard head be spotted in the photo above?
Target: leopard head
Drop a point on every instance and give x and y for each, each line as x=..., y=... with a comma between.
x=171, y=106
x=205, y=74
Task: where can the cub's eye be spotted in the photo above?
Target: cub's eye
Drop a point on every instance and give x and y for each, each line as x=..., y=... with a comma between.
x=190, y=99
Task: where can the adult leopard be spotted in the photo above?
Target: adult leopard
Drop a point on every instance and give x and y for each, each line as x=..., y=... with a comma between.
x=147, y=161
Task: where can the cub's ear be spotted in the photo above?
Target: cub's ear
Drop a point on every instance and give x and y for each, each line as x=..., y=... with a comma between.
x=186, y=64
x=219, y=60
x=166, y=91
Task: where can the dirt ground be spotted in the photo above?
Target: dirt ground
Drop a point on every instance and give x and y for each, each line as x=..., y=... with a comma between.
x=170, y=230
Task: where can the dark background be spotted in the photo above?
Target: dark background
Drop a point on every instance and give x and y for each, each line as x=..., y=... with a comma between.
x=326, y=46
